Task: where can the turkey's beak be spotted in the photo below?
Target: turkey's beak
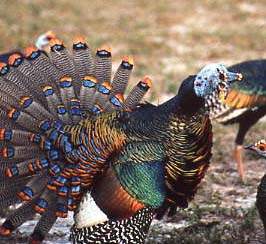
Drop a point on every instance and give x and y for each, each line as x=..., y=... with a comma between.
x=232, y=77
x=251, y=147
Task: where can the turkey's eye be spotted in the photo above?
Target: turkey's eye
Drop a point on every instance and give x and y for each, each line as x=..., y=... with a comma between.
x=262, y=148
x=221, y=76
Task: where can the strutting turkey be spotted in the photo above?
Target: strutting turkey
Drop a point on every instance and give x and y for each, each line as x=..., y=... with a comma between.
x=245, y=104
x=260, y=148
x=68, y=136
x=41, y=43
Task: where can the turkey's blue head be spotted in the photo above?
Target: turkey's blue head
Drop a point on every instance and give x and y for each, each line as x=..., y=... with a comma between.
x=214, y=77
x=259, y=147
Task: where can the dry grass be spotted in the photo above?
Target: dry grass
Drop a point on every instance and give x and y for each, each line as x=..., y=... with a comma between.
x=169, y=40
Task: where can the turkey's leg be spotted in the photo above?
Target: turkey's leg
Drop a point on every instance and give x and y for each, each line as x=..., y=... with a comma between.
x=239, y=160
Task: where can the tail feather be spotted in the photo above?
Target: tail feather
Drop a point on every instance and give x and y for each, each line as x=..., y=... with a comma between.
x=20, y=152
x=66, y=90
x=22, y=65
x=8, y=101
x=18, y=217
x=24, y=120
x=45, y=201
x=43, y=226
x=83, y=58
x=102, y=93
x=18, y=137
x=44, y=65
x=103, y=65
x=87, y=91
x=23, y=83
x=43, y=101
x=122, y=76
x=10, y=197
x=63, y=62
x=115, y=102
x=137, y=94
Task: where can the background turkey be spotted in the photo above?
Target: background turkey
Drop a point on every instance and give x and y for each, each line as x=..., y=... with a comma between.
x=245, y=104
x=260, y=148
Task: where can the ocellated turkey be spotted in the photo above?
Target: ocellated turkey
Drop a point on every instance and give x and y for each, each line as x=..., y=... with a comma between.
x=71, y=142
x=260, y=148
x=245, y=104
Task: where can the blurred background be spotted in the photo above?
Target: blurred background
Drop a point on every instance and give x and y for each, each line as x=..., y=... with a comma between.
x=169, y=40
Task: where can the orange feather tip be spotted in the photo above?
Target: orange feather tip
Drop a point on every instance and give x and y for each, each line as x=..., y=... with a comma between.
x=4, y=231
x=90, y=78
x=51, y=187
x=119, y=97
x=104, y=51
x=60, y=106
x=99, y=107
x=39, y=210
x=79, y=39
x=62, y=194
x=71, y=207
x=51, y=172
x=56, y=183
x=107, y=85
x=2, y=134
x=147, y=81
x=50, y=35
x=55, y=41
x=29, y=50
x=2, y=65
x=74, y=194
x=104, y=48
x=75, y=183
x=31, y=168
x=65, y=174
x=12, y=58
x=31, y=137
x=128, y=110
x=23, y=100
x=65, y=78
x=9, y=173
x=23, y=196
x=128, y=59
x=38, y=164
x=47, y=88
x=5, y=152
x=75, y=100
x=61, y=214
x=11, y=112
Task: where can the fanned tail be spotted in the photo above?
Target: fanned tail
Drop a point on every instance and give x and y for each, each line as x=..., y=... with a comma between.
x=43, y=101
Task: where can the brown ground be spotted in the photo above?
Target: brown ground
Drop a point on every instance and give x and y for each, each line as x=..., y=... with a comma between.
x=169, y=40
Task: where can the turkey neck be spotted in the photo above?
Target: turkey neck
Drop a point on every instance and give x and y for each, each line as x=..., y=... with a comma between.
x=152, y=121
x=186, y=102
